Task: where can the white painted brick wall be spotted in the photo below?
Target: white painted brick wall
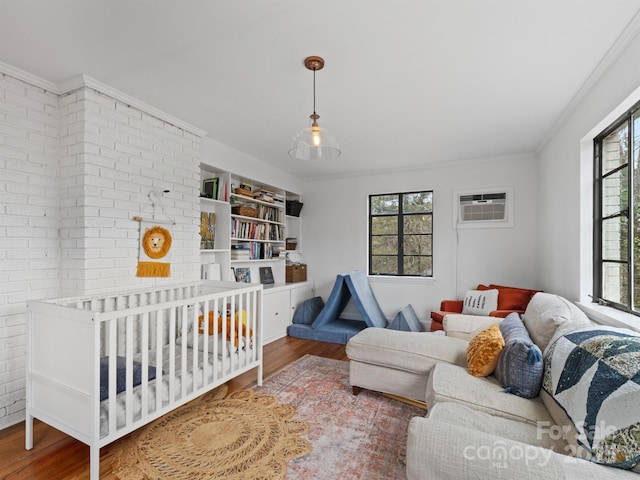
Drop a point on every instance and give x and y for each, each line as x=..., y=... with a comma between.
x=29, y=247
x=75, y=169
x=126, y=155
x=112, y=157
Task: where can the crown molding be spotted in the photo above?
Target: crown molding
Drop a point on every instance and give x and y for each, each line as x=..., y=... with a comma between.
x=29, y=78
x=620, y=44
x=85, y=81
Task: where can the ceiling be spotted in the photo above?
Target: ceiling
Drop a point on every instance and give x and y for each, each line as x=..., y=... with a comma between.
x=406, y=82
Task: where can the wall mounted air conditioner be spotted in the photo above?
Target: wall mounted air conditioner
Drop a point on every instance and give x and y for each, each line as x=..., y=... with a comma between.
x=483, y=208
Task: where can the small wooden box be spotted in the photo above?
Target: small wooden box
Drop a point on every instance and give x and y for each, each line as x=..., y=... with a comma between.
x=296, y=273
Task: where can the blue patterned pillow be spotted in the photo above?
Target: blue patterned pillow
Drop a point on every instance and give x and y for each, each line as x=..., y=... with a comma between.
x=520, y=368
x=594, y=375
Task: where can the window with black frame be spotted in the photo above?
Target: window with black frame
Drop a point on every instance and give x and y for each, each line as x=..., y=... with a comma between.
x=616, y=253
x=401, y=234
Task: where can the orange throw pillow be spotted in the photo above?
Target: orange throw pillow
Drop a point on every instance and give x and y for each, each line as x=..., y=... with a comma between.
x=512, y=298
x=484, y=350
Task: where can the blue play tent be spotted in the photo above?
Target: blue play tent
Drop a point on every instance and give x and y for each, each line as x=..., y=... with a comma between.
x=318, y=321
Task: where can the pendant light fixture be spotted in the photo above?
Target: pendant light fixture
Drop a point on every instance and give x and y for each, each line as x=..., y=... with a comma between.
x=314, y=142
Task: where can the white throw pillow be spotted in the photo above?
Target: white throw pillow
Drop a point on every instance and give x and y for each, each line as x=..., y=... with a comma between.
x=480, y=302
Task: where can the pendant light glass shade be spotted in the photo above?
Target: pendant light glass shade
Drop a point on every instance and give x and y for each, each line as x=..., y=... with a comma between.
x=314, y=142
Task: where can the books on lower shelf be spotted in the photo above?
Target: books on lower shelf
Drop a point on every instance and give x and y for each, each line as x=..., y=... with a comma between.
x=256, y=231
x=251, y=251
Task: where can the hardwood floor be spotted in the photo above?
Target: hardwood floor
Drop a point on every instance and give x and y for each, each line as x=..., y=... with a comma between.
x=58, y=456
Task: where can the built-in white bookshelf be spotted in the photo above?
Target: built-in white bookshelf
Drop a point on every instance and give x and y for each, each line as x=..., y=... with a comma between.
x=249, y=227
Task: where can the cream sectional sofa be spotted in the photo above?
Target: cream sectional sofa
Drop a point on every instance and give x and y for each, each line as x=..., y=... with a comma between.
x=473, y=428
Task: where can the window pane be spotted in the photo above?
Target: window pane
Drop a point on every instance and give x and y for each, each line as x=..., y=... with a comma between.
x=417, y=202
x=615, y=239
x=400, y=237
x=635, y=147
x=384, y=245
x=384, y=204
x=615, y=190
x=636, y=288
x=417, y=224
x=614, y=149
x=614, y=282
x=417, y=244
x=414, y=265
x=384, y=225
x=636, y=216
x=384, y=265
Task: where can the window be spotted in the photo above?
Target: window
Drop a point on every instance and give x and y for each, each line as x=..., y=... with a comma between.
x=616, y=277
x=401, y=234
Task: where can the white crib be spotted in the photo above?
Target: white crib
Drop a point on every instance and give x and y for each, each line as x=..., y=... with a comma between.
x=155, y=349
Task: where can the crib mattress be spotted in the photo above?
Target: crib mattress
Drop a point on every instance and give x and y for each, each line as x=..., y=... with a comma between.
x=233, y=362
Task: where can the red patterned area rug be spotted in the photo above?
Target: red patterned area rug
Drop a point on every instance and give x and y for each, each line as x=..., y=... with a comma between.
x=353, y=437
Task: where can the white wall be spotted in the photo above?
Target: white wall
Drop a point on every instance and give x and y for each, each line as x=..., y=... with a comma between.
x=565, y=182
x=335, y=231
x=29, y=247
x=229, y=159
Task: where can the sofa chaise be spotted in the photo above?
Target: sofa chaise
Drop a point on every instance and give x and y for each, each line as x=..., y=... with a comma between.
x=581, y=420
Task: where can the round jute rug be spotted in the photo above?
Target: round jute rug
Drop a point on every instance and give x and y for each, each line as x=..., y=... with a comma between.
x=245, y=436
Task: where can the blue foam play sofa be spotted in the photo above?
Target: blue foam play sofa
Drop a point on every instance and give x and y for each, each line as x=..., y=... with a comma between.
x=316, y=320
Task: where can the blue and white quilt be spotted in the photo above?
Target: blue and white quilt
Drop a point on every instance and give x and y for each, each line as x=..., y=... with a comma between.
x=594, y=375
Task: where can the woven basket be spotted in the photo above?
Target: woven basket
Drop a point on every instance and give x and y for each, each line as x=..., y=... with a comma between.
x=244, y=210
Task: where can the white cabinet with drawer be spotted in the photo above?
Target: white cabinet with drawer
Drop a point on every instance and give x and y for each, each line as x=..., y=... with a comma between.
x=279, y=305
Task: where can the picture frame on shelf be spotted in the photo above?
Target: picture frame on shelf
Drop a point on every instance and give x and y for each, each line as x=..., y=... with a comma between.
x=266, y=276
x=243, y=274
x=210, y=187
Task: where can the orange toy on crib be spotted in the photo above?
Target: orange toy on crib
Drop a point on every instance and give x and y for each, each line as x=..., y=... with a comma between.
x=235, y=327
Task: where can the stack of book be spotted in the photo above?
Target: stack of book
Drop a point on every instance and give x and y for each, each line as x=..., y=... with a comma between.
x=264, y=195
x=241, y=251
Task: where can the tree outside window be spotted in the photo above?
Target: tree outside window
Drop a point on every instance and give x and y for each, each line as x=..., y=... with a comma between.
x=617, y=214
x=401, y=234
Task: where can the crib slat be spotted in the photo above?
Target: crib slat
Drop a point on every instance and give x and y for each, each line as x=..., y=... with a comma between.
x=144, y=347
x=160, y=320
x=112, y=354
x=172, y=354
x=207, y=333
x=129, y=370
x=195, y=350
x=216, y=344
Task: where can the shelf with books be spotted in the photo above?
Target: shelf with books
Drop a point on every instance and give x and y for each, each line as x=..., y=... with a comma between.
x=254, y=250
x=246, y=212
x=275, y=259
x=256, y=230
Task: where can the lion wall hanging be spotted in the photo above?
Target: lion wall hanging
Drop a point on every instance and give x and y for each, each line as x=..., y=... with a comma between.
x=155, y=245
